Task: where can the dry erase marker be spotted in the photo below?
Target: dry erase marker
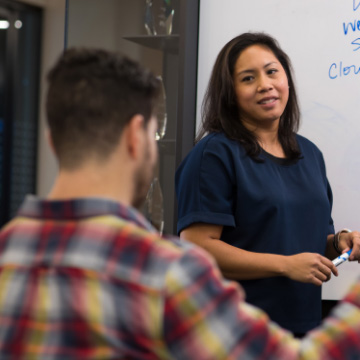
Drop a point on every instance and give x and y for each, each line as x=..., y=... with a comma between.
x=342, y=258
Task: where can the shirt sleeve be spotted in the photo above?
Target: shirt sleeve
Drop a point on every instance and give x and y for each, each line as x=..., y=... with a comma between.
x=205, y=184
x=208, y=316
x=339, y=335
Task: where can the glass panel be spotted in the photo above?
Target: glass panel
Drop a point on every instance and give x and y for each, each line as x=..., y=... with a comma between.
x=147, y=31
x=19, y=77
x=25, y=113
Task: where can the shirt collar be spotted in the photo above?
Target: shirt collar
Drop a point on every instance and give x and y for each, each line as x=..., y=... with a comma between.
x=80, y=208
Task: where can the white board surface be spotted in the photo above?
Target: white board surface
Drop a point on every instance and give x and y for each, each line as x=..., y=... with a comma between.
x=322, y=39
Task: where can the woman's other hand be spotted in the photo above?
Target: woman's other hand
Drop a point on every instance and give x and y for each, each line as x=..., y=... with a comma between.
x=310, y=268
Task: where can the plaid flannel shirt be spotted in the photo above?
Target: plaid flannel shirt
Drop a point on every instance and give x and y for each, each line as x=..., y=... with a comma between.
x=90, y=279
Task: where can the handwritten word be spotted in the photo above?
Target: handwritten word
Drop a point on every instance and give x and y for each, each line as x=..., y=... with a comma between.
x=356, y=42
x=355, y=6
x=352, y=26
x=338, y=70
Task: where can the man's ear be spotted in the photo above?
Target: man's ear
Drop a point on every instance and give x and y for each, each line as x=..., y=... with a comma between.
x=135, y=136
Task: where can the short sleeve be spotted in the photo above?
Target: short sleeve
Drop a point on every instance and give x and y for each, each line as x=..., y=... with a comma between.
x=205, y=184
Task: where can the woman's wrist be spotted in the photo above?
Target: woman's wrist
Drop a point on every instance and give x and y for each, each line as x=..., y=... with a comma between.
x=336, y=239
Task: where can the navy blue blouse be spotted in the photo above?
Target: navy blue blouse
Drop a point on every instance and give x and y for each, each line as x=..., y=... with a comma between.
x=275, y=206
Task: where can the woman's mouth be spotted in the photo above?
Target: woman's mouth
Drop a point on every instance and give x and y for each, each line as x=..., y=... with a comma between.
x=266, y=101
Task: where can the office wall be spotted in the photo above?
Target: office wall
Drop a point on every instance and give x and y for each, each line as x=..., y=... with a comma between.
x=104, y=23
x=91, y=23
x=52, y=45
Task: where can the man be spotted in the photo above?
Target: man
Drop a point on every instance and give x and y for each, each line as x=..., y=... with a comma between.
x=84, y=276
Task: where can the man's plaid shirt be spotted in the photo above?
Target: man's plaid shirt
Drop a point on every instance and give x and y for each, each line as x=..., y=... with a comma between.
x=90, y=279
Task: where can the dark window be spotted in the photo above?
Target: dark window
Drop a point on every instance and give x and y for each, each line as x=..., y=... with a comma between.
x=20, y=31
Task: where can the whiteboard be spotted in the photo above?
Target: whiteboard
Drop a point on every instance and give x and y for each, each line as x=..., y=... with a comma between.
x=322, y=39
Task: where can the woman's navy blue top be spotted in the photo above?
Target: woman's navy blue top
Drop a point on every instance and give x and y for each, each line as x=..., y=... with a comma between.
x=275, y=206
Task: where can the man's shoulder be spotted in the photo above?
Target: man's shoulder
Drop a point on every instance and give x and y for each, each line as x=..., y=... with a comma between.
x=150, y=257
x=107, y=244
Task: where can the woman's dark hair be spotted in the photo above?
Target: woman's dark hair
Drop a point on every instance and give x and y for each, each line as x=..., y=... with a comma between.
x=220, y=112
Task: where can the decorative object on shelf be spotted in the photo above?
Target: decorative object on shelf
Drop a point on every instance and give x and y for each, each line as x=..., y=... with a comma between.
x=159, y=16
x=161, y=113
x=149, y=19
x=154, y=208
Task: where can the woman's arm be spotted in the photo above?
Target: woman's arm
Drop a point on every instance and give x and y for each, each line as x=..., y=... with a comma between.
x=238, y=264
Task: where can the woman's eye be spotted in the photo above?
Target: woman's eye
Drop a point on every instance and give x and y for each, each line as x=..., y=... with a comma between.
x=272, y=71
x=247, y=78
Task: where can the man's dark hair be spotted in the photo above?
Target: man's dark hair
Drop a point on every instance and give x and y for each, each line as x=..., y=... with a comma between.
x=220, y=112
x=92, y=95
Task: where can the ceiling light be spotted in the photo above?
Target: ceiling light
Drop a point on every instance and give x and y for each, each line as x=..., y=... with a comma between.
x=4, y=24
x=18, y=24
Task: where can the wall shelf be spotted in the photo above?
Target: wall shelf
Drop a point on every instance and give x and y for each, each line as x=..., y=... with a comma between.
x=168, y=43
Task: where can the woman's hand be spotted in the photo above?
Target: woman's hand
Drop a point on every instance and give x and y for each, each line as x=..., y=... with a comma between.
x=309, y=268
x=349, y=241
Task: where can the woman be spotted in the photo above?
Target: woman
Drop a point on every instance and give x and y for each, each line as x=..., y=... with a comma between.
x=254, y=193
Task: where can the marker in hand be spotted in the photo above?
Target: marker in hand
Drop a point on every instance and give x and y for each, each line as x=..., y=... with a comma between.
x=342, y=258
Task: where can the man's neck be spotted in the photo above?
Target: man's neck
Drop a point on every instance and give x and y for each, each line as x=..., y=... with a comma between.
x=89, y=182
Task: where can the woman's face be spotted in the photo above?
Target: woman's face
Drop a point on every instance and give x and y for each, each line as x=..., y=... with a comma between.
x=261, y=87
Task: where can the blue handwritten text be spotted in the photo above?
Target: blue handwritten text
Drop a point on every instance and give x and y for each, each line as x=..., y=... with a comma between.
x=356, y=42
x=354, y=26
x=338, y=70
x=355, y=6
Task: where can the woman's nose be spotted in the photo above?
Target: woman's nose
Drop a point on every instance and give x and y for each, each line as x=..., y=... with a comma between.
x=264, y=84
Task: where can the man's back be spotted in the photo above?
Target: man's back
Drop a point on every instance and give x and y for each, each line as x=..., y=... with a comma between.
x=88, y=279
x=79, y=280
